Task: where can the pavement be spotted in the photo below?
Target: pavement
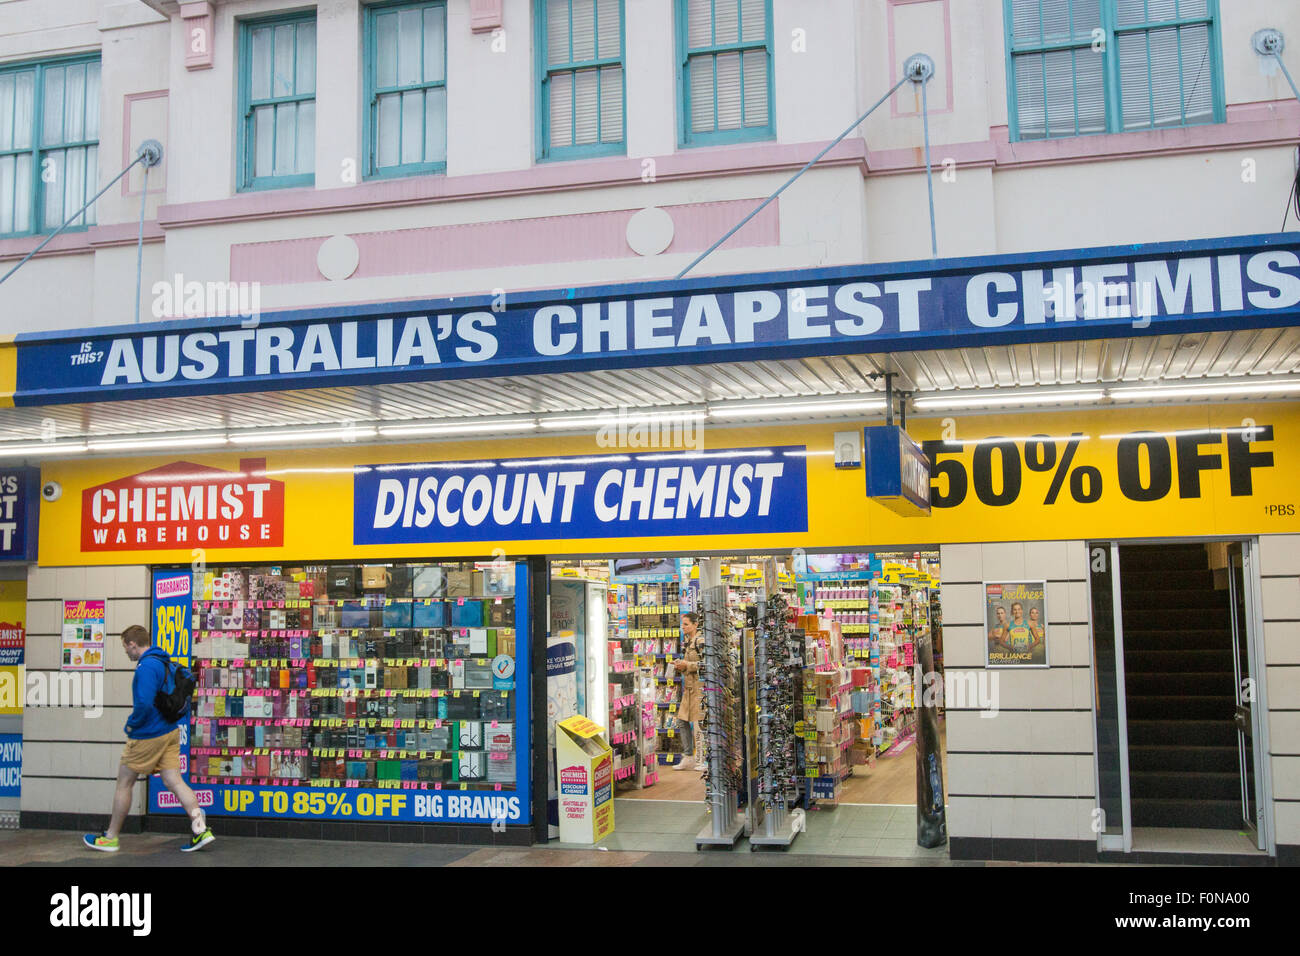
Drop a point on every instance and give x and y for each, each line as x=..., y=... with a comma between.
x=646, y=833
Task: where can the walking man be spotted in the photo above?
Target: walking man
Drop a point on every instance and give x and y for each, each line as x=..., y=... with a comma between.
x=153, y=745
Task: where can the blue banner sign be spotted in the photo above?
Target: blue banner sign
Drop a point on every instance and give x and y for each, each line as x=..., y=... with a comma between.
x=1206, y=285
x=20, y=499
x=11, y=765
x=740, y=491
x=898, y=472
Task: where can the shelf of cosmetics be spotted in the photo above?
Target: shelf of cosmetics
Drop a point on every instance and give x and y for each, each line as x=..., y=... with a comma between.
x=335, y=643
x=373, y=582
x=492, y=761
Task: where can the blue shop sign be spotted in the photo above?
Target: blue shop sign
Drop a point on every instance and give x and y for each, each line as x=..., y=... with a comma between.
x=20, y=498
x=898, y=472
x=1199, y=286
x=726, y=492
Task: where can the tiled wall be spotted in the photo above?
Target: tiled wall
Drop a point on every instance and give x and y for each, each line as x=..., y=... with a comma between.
x=69, y=760
x=1028, y=772
x=1279, y=569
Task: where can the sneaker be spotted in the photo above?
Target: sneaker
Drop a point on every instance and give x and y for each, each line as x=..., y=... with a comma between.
x=198, y=841
x=686, y=763
x=97, y=841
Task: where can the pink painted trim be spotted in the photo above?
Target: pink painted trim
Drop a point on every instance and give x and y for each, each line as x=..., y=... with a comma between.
x=129, y=147
x=896, y=68
x=484, y=15
x=584, y=237
x=1265, y=124
x=543, y=178
x=81, y=243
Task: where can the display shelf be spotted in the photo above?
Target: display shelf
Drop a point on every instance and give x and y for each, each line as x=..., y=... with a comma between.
x=289, y=637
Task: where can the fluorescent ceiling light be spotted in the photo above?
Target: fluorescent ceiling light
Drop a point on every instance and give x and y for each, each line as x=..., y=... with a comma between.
x=622, y=418
x=1193, y=391
x=41, y=448
x=1027, y=439
x=163, y=441
x=1019, y=398
x=354, y=470
x=321, y=434
x=677, y=456
x=529, y=462
x=1251, y=433
x=846, y=404
x=805, y=454
x=458, y=428
x=424, y=466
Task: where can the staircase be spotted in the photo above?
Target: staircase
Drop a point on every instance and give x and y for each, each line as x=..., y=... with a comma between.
x=1183, y=765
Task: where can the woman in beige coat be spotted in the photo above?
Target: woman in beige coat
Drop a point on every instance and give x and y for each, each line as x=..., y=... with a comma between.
x=690, y=710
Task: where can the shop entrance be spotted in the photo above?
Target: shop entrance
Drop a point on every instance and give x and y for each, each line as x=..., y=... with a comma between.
x=1175, y=635
x=629, y=624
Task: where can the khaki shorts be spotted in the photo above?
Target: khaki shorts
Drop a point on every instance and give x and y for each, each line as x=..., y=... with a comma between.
x=154, y=754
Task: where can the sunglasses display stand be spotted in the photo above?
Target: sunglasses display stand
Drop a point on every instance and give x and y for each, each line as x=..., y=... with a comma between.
x=775, y=820
x=722, y=725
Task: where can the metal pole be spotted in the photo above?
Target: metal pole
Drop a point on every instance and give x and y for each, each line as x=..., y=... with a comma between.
x=150, y=153
x=1269, y=42
x=929, y=168
x=139, y=245
x=764, y=204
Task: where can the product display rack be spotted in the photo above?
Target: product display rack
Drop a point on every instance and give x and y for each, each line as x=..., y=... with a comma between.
x=900, y=611
x=340, y=676
x=779, y=664
x=829, y=722
x=654, y=628
x=721, y=727
x=625, y=732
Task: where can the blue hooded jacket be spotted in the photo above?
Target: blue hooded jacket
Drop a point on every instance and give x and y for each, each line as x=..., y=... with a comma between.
x=151, y=674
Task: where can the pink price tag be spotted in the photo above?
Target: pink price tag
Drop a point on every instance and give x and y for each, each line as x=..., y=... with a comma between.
x=496, y=786
x=494, y=725
x=460, y=602
x=437, y=786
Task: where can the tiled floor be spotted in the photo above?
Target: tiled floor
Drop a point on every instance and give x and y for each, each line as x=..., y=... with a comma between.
x=1183, y=840
x=63, y=848
x=847, y=830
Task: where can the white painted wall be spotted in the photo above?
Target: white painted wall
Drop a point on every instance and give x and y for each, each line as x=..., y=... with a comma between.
x=832, y=59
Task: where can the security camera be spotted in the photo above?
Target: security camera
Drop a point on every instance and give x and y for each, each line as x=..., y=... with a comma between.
x=51, y=491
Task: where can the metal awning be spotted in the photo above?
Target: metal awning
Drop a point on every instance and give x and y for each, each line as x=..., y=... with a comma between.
x=1265, y=357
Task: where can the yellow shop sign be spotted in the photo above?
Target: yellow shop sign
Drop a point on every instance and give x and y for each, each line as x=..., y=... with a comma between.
x=1206, y=470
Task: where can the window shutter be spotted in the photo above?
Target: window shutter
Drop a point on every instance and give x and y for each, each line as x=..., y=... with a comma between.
x=611, y=104
x=561, y=114
x=699, y=23
x=728, y=74
x=557, y=31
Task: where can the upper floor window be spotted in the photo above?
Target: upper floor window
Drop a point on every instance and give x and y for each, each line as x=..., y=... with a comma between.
x=726, y=70
x=406, y=88
x=1111, y=66
x=49, y=144
x=277, y=86
x=581, y=64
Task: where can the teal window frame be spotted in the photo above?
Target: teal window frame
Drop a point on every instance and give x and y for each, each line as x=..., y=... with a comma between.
x=1111, y=68
x=546, y=70
x=36, y=209
x=746, y=134
x=247, y=181
x=370, y=137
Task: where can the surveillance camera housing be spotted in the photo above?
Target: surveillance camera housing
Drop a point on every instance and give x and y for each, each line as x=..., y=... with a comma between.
x=51, y=490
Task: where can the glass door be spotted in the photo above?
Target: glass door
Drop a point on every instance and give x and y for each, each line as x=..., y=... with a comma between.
x=1242, y=605
x=1111, y=817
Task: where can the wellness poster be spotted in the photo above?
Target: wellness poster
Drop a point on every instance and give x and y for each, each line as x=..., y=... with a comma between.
x=83, y=635
x=1015, y=615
